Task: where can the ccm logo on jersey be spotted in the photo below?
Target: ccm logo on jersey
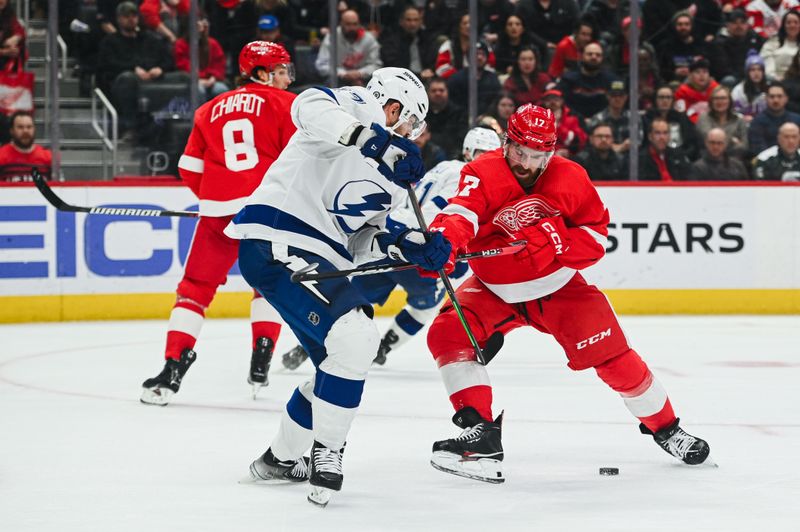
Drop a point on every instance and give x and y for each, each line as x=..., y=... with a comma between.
x=558, y=244
x=594, y=339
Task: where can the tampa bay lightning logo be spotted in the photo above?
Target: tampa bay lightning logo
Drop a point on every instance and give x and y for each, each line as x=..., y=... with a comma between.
x=355, y=200
x=358, y=99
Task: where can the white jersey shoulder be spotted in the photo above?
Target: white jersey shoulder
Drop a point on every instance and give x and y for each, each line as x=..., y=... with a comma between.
x=320, y=195
x=316, y=118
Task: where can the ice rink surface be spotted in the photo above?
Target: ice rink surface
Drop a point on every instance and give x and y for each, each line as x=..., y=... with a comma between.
x=78, y=452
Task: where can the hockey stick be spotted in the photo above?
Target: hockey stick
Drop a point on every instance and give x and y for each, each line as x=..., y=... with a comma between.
x=308, y=274
x=451, y=293
x=61, y=205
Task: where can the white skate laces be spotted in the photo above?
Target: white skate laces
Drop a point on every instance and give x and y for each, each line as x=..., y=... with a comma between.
x=470, y=433
x=300, y=469
x=679, y=444
x=327, y=460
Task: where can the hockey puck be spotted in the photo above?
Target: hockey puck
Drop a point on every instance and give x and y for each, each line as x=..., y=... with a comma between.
x=609, y=471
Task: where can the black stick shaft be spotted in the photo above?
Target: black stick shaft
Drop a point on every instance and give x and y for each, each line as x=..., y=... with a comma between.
x=451, y=293
x=309, y=274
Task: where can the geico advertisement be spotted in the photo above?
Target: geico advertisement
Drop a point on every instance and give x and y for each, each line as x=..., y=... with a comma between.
x=659, y=238
x=44, y=251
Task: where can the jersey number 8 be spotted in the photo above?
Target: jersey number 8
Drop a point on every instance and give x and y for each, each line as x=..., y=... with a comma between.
x=239, y=154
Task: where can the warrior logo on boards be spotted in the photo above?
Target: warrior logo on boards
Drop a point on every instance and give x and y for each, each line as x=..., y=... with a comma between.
x=356, y=202
x=524, y=213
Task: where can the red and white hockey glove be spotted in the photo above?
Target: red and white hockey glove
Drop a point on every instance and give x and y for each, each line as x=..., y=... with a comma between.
x=555, y=230
x=538, y=253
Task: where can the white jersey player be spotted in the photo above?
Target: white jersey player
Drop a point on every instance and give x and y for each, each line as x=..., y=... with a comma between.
x=325, y=200
x=423, y=295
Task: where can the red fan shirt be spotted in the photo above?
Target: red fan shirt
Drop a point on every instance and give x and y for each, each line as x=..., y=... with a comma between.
x=236, y=138
x=16, y=165
x=692, y=101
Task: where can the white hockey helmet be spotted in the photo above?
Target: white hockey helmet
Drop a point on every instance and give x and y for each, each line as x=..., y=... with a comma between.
x=479, y=138
x=392, y=83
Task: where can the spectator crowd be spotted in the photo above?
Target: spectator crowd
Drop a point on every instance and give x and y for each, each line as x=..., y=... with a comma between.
x=718, y=80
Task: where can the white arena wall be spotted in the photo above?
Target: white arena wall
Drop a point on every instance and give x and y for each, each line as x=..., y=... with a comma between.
x=684, y=248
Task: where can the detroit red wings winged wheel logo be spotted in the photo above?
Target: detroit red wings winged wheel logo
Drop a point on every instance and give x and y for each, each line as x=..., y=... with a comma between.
x=524, y=213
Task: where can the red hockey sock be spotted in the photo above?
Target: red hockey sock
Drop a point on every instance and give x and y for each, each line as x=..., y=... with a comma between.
x=267, y=329
x=185, y=323
x=478, y=397
x=642, y=393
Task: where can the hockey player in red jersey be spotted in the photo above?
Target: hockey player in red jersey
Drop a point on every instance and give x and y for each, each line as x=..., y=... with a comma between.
x=523, y=192
x=235, y=139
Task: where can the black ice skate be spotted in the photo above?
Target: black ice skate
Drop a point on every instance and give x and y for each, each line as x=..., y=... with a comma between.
x=294, y=358
x=387, y=343
x=259, y=363
x=477, y=453
x=326, y=474
x=160, y=389
x=677, y=442
x=269, y=469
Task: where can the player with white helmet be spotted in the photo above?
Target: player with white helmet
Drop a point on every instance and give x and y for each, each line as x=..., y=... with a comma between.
x=235, y=138
x=325, y=201
x=524, y=192
x=423, y=294
x=401, y=85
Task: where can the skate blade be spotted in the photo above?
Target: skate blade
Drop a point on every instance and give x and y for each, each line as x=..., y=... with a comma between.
x=157, y=396
x=707, y=463
x=319, y=496
x=485, y=469
x=256, y=386
x=250, y=479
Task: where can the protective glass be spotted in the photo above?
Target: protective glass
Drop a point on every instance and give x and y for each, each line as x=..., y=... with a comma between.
x=289, y=70
x=528, y=158
x=416, y=126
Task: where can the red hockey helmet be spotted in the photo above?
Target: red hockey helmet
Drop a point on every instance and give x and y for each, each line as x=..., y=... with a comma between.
x=533, y=127
x=263, y=54
x=532, y=132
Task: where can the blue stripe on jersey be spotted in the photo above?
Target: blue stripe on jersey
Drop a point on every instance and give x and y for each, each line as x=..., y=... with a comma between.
x=407, y=323
x=338, y=391
x=327, y=91
x=299, y=409
x=439, y=202
x=276, y=218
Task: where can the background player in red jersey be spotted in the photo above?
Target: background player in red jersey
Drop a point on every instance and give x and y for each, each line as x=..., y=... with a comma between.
x=523, y=192
x=235, y=139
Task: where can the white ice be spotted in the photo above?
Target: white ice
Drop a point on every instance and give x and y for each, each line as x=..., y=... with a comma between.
x=78, y=452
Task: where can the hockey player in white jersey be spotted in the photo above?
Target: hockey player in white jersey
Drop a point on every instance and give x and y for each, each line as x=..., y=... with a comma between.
x=325, y=200
x=423, y=294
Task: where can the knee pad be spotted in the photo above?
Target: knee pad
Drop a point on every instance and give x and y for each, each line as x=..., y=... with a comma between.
x=351, y=345
x=448, y=342
x=624, y=373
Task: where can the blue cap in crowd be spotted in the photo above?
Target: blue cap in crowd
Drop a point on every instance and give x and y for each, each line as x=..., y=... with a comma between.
x=268, y=22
